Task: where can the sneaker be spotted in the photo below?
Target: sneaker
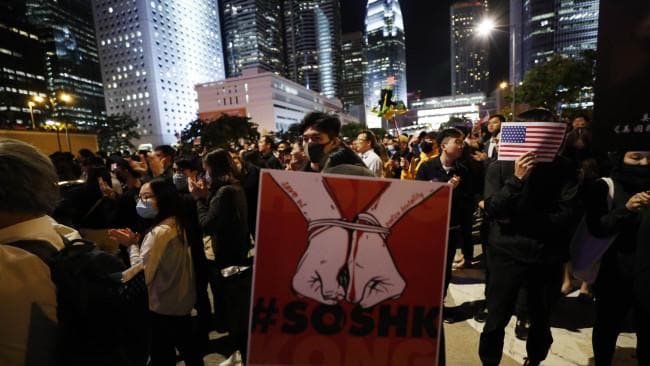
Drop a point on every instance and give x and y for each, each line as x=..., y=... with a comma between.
x=481, y=315
x=521, y=329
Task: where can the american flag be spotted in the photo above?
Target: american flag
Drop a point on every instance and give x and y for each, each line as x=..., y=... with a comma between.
x=542, y=138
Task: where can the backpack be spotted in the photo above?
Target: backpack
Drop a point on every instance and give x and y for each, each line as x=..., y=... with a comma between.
x=91, y=308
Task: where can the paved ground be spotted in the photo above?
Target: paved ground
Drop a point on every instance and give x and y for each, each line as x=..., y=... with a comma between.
x=572, y=330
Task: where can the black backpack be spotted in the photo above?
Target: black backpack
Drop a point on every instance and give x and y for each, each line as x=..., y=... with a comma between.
x=94, y=309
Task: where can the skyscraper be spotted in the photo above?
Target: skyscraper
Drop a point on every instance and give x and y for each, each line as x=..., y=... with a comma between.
x=22, y=75
x=353, y=66
x=313, y=44
x=469, y=52
x=152, y=54
x=384, y=43
x=543, y=28
x=65, y=29
x=253, y=32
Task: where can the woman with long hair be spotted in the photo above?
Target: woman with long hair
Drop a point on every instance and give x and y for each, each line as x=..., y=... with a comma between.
x=164, y=257
x=223, y=214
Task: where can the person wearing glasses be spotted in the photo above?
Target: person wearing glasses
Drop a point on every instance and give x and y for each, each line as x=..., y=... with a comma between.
x=164, y=256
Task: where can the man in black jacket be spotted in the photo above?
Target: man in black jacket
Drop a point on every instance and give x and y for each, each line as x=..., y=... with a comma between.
x=266, y=146
x=532, y=206
x=447, y=168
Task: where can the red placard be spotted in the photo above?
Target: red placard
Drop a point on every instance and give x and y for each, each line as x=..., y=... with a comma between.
x=348, y=270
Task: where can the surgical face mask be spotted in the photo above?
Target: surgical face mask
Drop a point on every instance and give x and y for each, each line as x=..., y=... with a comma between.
x=145, y=210
x=315, y=152
x=391, y=148
x=180, y=181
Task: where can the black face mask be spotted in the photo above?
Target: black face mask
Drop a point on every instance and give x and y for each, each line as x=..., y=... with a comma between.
x=635, y=178
x=315, y=152
x=426, y=147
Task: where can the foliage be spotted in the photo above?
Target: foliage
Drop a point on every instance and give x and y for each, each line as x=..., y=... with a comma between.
x=291, y=135
x=379, y=132
x=561, y=80
x=351, y=130
x=222, y=132
x=117, y=133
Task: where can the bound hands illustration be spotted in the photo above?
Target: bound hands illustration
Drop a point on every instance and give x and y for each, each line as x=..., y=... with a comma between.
x=349, y=259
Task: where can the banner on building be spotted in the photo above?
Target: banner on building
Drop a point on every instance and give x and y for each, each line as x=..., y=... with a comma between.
x=622, y=96
x=348, y=270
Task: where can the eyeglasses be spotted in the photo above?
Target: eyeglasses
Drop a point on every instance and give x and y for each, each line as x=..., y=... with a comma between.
x=144, y=198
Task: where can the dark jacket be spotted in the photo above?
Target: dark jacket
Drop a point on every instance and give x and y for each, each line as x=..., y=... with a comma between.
x=642, y=272
x=432, y=170
x=603, y=222
x=271, y=161
x=224, y=216
x=531, y=220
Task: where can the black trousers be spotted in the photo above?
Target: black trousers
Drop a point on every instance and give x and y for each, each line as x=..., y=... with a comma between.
x=614, y=300
x=169, y=332
x=507, y=276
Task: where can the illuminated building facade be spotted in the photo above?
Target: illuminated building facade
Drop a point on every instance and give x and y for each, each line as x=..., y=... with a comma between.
x=385, y=53
x=469, y=52
x=313, y=44
x=353, y=66
x=270, y=100
x=22, y=66
x=152, y=54
x=67, y=35
x=543, y=28
x=253, y=35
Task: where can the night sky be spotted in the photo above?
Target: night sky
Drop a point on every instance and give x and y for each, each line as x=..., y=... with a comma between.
x=428, y=42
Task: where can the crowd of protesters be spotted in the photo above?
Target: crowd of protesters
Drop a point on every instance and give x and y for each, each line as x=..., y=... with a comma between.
x=180, y=223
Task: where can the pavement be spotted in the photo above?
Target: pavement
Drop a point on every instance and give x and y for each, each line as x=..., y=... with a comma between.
x=572, y=323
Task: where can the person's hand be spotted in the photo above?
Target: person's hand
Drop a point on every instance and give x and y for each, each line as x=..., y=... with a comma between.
x=124, y=237
x=638, y=202
x=524, y=165
x=138, y=166
x=156, y=166
x=107, y=191
x=454, y=181
x=481, y=204
x=373, y=274
x=479, y=156
x=198, y=188
x=318, y=272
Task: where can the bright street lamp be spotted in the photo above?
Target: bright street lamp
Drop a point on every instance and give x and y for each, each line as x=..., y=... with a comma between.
x=52, y=101
x=486, y=27
x=503, y=85
x=31, y=105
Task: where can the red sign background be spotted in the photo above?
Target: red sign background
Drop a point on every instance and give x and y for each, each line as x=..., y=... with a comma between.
x=418, y=247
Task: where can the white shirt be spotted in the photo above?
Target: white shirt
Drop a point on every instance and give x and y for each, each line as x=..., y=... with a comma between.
x=373, y=162
x=493, y=145
x=168, y=270
x=28, y=305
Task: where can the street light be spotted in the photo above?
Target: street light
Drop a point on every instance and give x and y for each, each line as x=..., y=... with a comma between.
x=503, y=85
x=31, y=105
x=484, y=29
x=52, y=102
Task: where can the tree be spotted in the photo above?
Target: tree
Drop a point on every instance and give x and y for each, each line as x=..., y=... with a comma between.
x=561, y=80
x=117, y=133
x=222, y=132
x=351, y=130
x=292, y=134
x=379, y=132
